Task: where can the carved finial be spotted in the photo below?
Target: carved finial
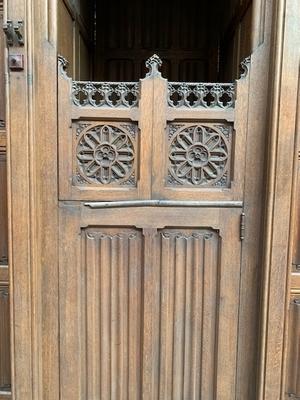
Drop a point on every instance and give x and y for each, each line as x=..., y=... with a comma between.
x=153, y=64
x=245, y=67
x=62, y=65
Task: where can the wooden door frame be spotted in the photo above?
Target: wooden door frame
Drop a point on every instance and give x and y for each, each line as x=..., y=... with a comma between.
x=33, y=204
x=32, y=199
x=281, y=165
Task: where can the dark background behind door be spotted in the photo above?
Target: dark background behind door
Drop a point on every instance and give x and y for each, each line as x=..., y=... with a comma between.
x=197, y=40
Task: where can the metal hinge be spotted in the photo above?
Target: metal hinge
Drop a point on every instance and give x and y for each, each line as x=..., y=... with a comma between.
x=242, y=226
x=14, y=31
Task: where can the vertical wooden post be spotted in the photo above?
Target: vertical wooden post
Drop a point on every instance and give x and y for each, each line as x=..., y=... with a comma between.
x=284, y=96
x=32, y=147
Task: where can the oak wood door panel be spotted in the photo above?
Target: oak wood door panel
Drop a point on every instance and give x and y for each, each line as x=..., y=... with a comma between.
x=105, y=139
x=148, y=302
x=199, y=147
x=152, y=138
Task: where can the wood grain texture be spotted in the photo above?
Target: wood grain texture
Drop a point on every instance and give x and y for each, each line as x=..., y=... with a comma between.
x=74, y=37
x=188, y=313
x=293, y=354
x=71, y=118
x=3, y=210
x=279, y=208
x=177, y=310
x=148, y=307
x=253, y=206
x=2, y=72
x=32, y=199
x=5, y=373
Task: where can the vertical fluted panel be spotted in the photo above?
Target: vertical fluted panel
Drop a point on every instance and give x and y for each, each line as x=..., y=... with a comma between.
x=293, y=359
x=5, y=379
x=183, y=269
x=188, y=312
x=113, y=314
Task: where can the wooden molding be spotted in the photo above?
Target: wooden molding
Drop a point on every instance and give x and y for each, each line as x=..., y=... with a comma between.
x=32, y=203
x=281, y=168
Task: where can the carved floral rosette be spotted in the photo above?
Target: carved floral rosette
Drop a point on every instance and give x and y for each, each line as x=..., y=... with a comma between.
x=105, y=154
x=199, y=155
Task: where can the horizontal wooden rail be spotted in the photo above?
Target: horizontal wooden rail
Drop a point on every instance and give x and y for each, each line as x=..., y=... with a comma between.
x=200, y=114
x=164, y=203
x=120, y=113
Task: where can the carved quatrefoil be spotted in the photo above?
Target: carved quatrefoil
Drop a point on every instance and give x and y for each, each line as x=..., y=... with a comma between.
x=199, y=155
x=105, y=154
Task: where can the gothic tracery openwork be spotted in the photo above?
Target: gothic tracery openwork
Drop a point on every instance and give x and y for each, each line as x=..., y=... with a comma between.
x=111, y=94
x=207, y=95
x=105, y=154
x=199, y=155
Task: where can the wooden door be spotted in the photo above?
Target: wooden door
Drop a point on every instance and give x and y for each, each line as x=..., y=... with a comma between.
x=151, y=221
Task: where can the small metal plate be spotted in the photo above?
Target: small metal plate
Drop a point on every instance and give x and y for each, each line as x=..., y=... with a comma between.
x=16, y=62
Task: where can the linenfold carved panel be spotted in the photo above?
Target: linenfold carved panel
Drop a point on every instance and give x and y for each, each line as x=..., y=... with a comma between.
x=293, y=355
x=5, y=378
x=184, y=277
x=207, y=95
x=105, y=153
x=111, y=94
x=188, y=313
x=199, y=154
x=113, y=276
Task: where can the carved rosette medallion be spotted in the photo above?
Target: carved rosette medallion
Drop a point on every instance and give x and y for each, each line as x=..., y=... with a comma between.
x=105, y=155
x=199, y=155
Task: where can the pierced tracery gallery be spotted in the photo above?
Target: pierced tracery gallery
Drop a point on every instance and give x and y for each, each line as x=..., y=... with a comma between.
x=149, y=200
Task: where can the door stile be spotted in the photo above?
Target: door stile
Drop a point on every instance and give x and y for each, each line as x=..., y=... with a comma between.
x=228, y=310
x=241, y=130
x=72, y=339
x=151, y=297
x=64, y=84
x=146, y=129
x=160, y=88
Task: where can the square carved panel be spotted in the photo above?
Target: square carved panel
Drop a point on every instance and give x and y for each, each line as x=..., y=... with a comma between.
x=199, y=154
x=104, y=154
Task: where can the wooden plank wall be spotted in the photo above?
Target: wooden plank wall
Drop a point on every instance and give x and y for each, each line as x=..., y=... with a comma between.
x=5, y=365
x=74, y=36
x=236, y=35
